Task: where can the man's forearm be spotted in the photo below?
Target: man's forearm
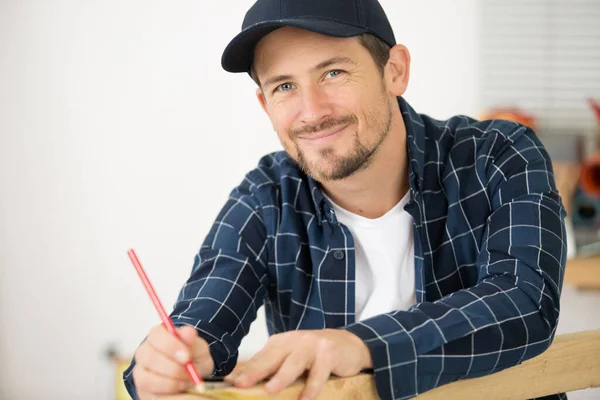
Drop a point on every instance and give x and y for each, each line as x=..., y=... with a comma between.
x=471, y=333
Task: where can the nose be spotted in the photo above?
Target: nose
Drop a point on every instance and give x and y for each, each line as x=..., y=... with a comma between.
x=315, y=106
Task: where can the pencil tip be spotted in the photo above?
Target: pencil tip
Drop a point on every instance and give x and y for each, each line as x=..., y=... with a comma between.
x=201, y=388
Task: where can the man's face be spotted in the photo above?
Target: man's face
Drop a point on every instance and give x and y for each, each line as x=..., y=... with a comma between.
x=326, y=99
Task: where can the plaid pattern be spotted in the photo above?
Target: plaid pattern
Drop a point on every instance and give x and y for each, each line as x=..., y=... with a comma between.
x=489, y=259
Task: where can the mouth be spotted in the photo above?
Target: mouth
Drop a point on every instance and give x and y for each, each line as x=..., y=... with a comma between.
x=323, y=136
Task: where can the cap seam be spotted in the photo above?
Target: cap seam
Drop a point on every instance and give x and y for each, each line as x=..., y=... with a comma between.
x=358, y=11
x=281, y=6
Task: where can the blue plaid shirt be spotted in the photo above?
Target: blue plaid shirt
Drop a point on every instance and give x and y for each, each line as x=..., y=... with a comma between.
x=489, y=259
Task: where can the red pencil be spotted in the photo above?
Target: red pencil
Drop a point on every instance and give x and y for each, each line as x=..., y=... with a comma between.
x=164, y=317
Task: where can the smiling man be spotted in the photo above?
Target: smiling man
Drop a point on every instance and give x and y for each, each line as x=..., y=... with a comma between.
x=380, y=240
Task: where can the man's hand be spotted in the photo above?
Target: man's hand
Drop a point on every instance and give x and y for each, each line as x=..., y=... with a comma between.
x=288, y=355
x=161, y=358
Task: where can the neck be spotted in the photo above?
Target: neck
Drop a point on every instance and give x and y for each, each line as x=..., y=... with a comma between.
x=375, y=190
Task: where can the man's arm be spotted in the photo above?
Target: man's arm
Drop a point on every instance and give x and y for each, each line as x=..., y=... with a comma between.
x=510, y=315
x=228, y=281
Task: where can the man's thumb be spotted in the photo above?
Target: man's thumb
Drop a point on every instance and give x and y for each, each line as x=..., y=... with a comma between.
x=199, y=348
x=188, y=335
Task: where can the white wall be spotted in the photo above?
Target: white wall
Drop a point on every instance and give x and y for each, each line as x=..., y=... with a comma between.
x=118, y=129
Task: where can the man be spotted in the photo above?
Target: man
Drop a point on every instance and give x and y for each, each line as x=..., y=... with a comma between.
x=381, y=240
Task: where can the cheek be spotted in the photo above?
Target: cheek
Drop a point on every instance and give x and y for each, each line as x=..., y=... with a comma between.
x=282, y=119
x=282, y=127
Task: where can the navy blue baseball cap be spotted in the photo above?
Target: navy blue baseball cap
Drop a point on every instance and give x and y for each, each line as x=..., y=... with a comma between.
x=339, y=18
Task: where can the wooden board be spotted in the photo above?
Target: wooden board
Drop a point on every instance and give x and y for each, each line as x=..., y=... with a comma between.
x=571, y=363
x=359, y=387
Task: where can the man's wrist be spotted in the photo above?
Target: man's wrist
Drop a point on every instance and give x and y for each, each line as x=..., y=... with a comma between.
x=364, y=352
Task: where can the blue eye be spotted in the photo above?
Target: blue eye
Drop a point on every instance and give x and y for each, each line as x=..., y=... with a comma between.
x=334, y=72
x=284, y=87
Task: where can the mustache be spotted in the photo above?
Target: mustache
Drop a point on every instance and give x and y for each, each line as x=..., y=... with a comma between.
x=330, y=123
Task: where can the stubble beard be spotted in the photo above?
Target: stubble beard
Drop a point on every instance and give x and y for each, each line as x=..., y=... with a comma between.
x=332, y=168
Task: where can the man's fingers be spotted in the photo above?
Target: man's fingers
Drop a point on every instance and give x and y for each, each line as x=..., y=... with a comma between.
x=274, y=343
x=263, y=364
x=166, y=343
x=158, y=363
x=187, y=334
x=155, y=384
x=200, y=351
x=205, y=365
x=239, y=370
x=317, y=377
x=161, y=358
x=236, y=371
x=293, y=366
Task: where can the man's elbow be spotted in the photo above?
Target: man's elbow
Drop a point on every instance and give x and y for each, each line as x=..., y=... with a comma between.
x=541, y=335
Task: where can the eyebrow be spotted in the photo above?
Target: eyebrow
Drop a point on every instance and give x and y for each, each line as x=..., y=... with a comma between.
x=322, y=65
x=332, y=61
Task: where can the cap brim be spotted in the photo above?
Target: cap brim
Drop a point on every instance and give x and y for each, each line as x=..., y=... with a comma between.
x=239, y=53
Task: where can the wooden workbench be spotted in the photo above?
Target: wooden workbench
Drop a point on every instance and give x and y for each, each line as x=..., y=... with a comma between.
x=571, y=363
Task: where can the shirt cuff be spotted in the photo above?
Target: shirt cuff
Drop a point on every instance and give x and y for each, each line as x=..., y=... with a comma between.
x=393, y=354
x=222, y=349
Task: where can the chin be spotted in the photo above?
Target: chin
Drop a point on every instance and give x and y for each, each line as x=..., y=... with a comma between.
x=323, y=172
x=319, y=164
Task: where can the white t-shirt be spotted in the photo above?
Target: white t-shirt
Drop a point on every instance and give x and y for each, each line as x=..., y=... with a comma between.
x=385, y=265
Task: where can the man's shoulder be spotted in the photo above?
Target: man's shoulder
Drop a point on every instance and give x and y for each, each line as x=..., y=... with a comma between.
x=494, y=137
x=462, y=127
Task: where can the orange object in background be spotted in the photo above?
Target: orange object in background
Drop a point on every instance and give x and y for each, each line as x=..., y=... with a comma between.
x=596, y=108
x=511, y=114
x=590, y=176
x=590, y=170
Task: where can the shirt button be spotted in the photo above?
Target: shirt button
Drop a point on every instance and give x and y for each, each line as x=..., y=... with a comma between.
x=338, y=255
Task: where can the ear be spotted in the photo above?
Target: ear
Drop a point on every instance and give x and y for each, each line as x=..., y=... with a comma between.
x=397, y=70
x=261, y=99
